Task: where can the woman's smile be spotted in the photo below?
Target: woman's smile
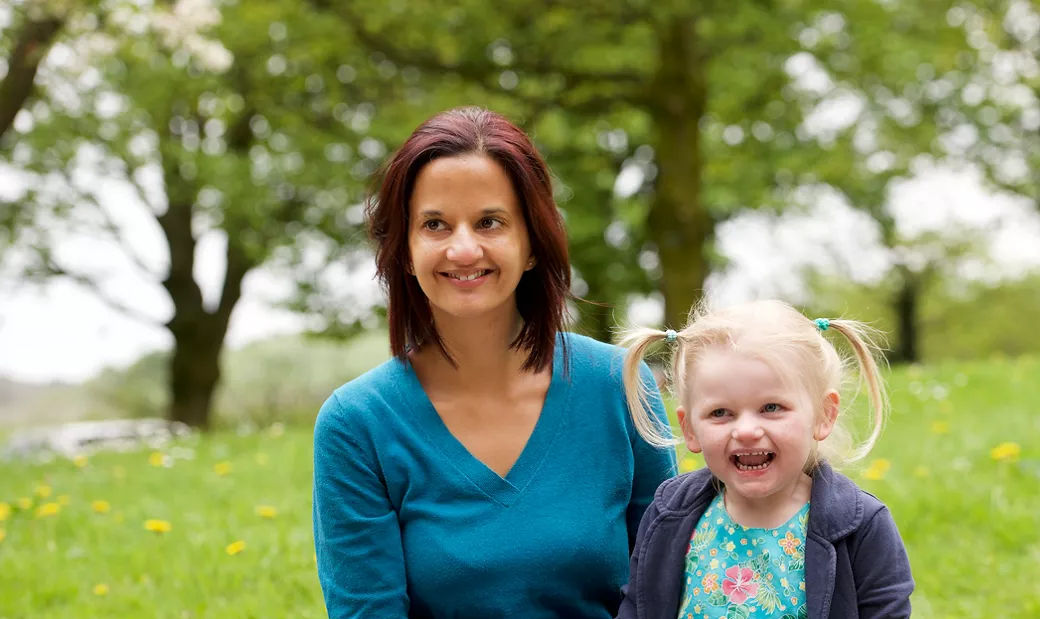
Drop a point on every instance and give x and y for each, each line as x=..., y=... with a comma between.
x=467, y=237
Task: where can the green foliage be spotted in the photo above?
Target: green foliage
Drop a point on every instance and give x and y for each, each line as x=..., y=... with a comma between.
x=287, y=379
x=283, y=379
x=958, y=319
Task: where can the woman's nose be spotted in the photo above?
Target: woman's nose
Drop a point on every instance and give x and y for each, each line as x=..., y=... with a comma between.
x=464, y=247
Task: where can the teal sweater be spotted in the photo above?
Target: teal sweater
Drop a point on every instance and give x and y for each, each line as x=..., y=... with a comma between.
x=407, y=523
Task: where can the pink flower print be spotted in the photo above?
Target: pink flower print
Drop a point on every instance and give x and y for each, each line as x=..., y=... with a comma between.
x=738, y=586
x=790, y=543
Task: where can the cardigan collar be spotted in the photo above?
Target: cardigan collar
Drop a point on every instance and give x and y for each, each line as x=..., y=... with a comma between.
x=836, y=507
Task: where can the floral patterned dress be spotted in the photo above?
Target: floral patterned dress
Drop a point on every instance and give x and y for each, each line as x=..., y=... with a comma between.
x=745, y=573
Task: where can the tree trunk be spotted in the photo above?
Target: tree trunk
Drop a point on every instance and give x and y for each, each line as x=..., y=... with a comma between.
x=198, y=333
x=906, y=308
x=30, y=48
x=194, y=374
x=679, y=224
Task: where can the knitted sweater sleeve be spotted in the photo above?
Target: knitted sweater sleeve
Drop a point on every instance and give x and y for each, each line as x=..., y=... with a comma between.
x=357, y=536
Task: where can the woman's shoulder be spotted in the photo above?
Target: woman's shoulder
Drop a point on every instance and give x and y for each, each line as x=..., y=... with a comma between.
x=588, y=354
x=376, y=389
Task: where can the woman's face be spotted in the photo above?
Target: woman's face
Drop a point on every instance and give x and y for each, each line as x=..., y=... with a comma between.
x=467, y=238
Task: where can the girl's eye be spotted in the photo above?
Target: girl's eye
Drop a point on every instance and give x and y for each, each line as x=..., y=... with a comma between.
x=717, y=413
x=772, y=407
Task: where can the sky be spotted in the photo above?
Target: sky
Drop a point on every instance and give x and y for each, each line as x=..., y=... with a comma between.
x=62, y=332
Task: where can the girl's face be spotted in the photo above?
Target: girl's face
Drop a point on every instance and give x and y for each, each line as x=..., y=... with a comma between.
x=467, y=238
x=755, y=430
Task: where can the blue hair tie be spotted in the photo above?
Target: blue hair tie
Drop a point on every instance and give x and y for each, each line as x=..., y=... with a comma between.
x=822, y=324
x=670, y=335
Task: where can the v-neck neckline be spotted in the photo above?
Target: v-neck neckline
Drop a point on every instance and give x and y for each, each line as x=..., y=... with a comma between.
x=504, y=490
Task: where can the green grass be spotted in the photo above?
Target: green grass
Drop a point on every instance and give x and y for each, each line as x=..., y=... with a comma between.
x=969, y=521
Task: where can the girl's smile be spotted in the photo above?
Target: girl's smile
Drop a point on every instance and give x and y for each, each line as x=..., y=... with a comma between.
x=755, y=429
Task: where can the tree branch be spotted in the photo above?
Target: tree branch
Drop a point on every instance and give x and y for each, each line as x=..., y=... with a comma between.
x=51, y=268
x=33, y=42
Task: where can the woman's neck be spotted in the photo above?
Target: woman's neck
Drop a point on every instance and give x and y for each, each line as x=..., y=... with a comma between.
x=480, y=349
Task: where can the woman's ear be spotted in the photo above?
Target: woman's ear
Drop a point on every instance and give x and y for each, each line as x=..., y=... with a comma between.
x=831, y=406
x=687, y=431
x=530, y=263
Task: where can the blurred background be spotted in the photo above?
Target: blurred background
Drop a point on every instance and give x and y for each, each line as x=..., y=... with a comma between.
x=181, y=237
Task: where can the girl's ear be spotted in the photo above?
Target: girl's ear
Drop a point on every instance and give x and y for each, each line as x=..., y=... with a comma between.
x=831, y=402
x=687, y=431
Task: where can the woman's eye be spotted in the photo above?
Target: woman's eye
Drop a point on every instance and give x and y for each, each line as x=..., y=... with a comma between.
x=772, y=407
x=489, y=223
x=433, y=225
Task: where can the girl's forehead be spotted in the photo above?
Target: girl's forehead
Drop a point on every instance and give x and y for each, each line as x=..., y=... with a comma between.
x=723, y=373
x=718, y=368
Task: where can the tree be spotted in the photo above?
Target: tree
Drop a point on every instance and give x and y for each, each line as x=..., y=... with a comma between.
x=25, y=43
x=711, y=91
x=233, y=124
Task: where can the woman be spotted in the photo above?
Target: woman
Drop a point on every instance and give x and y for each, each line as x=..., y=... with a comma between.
x=489, y=469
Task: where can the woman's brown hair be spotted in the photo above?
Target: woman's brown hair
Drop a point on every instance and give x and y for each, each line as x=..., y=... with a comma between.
x=542, y=291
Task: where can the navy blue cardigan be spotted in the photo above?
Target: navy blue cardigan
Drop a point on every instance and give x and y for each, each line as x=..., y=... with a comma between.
x=855, y=562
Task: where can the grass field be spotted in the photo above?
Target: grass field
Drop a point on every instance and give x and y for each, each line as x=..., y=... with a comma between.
x=959, y=465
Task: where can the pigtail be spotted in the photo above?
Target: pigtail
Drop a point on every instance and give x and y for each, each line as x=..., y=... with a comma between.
x=861, y=338
x=637, y=341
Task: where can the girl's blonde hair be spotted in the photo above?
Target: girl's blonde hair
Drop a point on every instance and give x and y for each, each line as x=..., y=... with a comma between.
x=780, y=335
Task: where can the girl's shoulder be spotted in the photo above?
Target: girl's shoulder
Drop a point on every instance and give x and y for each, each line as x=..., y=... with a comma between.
x=685, y=492
x=838, y=505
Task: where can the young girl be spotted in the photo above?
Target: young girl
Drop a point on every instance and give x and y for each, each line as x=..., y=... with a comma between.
x=768, y=528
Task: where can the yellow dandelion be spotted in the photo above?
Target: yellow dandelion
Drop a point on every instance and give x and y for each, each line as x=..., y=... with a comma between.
x=877, y=469
x=47, y=509
x=63, y=499
x=1006, y=451
x=157, y=526
x=156, y=458
x=5, y=511
x=80, y=461
x=235, y=547
x=940, y=427
x=222, y=468
x=24, y=502
x=266, y=511
x=687, y=464
x=43, y=491
x=101, y=589
x=100, y=506
x=922, y=471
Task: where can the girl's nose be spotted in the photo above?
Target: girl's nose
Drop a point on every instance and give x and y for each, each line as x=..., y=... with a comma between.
x=747, y=429
x=464, y=247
